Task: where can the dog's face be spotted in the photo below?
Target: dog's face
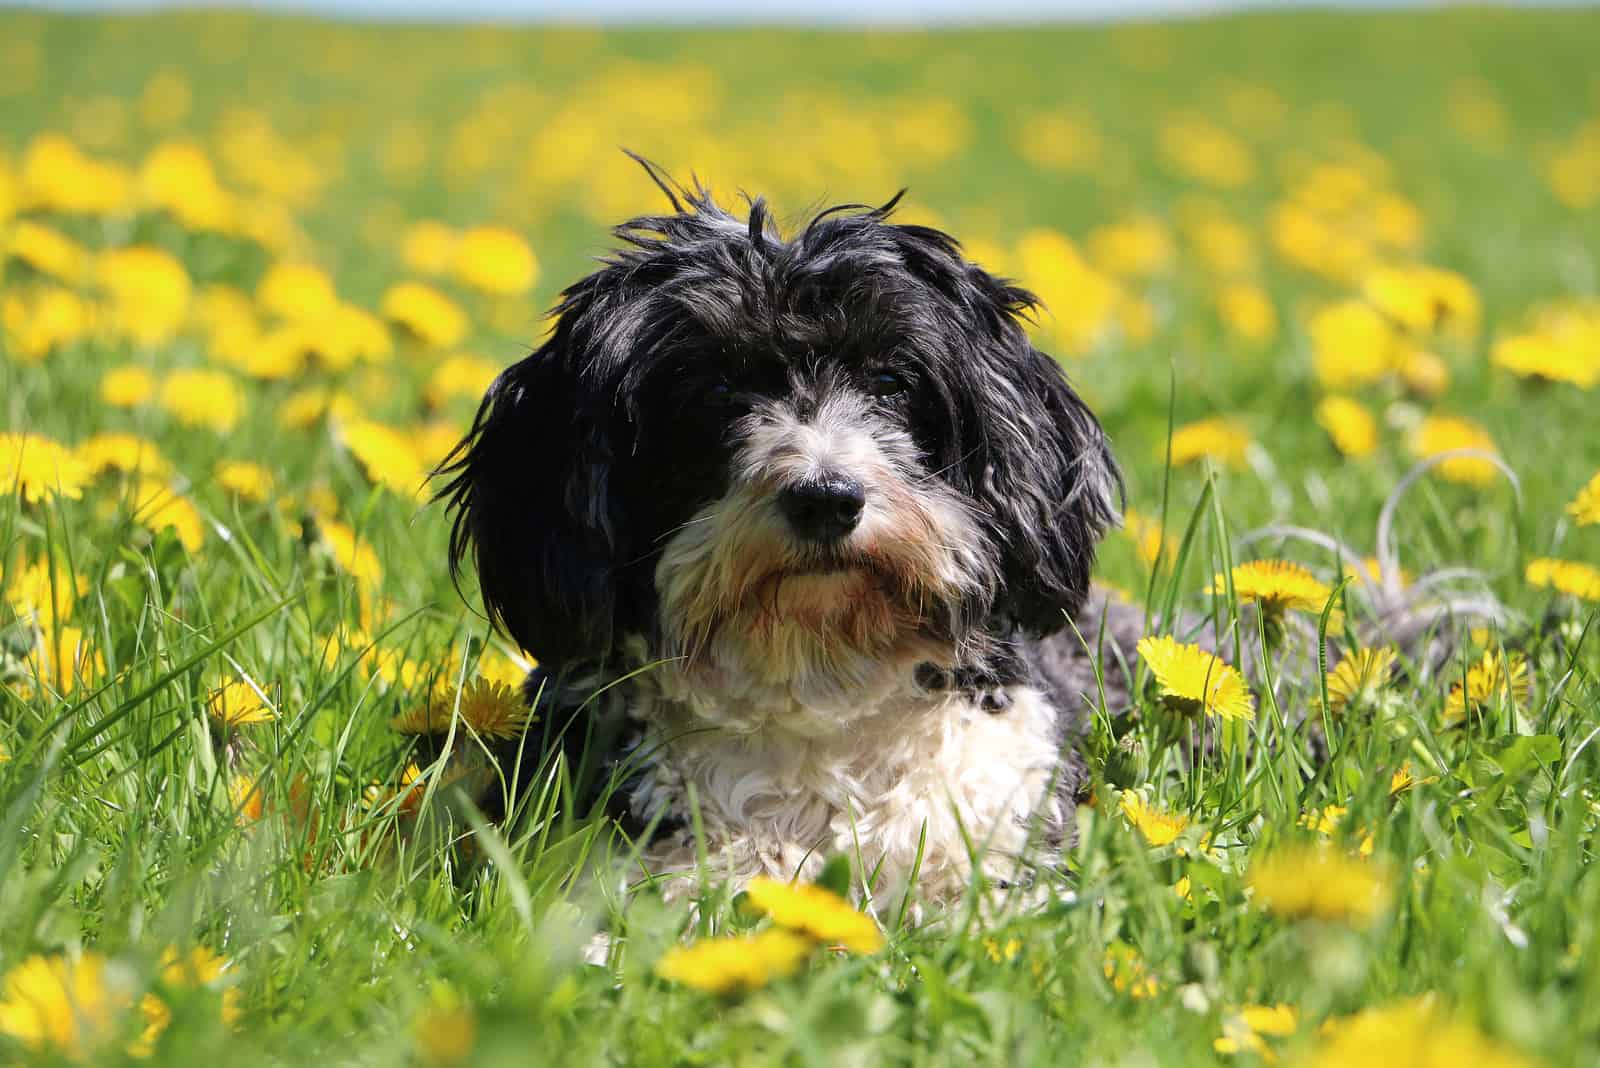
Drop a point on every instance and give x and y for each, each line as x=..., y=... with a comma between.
x=814, y=462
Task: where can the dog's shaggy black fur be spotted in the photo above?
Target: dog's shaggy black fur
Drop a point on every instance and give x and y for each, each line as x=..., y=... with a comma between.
x=586, y=456
x=590, y=460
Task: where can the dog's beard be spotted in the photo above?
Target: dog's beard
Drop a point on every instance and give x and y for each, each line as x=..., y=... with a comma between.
x=742, y=602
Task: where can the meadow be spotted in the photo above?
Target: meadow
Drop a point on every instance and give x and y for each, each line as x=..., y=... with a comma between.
x=256, y=273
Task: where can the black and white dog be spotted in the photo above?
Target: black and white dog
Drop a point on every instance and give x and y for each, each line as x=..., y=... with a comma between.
x=826, y=512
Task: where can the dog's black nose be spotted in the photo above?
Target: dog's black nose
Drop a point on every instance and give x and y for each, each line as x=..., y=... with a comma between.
x=823, y=509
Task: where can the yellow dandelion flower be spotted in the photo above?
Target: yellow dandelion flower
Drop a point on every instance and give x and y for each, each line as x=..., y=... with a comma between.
x=237, y=704
x=1404, y=779
x=1565, y=576
x=1247, y=311
x=1194, y=680
x=1082, y=301
x=127, y=453
x=350, y=335
x=1136, y=248
x=1319, y=882
x=1278, y=586
x=1396, y=222
x=165, y=100
x=148, y=291
x=319, y=500
x=66, y=1005
x=1442, y=433
x=199, y=967
x=425, y=313
x=1548, y=357
x=1360, y=676
x=225, y=318
x=62, y=659
x=1057, y=141
x=1279, y=1021
x=1574, y=321
x=48, y=251
x=459, y=376
x=1423, y=373
x=1352, y=345
x=496, y=261
x=509, y=671
x=1585, y=507
x=428, y=247
x=388, y=456
x=1497, y=678
x=1425, y=299
x=305, y=408
x=1225, y=441
x=1127, y=973
x=43, y=320
x=729, y=965
x=353, y=555
x=127, y=386
x=1351, y=427
x=1147, y=541
x=57, y=176
x=275, y=355
x=1325, y=821
x=205, y=399
x=177, y=177
x=1158, y=827
x=1370, y=570
x=41, y=469
x=247, y=798
x=217, y=306
x=434, y=441
x=1243, y=1031
x=156, y=506
x=297, y=292
x=1224, y=245
x=36, y=592
x=815, y=911
x=1197, y=148
x=1002, y=954
x=1417, y=1032
x=245, y=480
x=490, y=709
x=407, y=795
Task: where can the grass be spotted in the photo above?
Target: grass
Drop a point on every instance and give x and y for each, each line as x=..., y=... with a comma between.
x=360, y=932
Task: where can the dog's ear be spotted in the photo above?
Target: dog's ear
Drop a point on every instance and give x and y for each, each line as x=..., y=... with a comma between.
x=533, y=508
x=1031, y=453
x=1043, y=473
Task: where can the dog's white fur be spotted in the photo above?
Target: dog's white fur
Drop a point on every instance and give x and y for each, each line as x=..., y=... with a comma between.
x=777, y=802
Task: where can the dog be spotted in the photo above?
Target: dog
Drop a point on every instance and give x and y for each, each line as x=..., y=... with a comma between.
x=800, y=530
x=795, y=527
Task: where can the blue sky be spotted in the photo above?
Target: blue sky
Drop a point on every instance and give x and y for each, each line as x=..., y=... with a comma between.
x=657, y=11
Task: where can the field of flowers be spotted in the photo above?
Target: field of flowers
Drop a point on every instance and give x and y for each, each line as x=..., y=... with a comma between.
x=255, y=274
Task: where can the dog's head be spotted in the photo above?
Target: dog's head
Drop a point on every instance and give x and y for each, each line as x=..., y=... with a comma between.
x=808, y=461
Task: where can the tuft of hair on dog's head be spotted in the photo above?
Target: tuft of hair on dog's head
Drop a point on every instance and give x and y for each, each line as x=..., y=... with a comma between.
x=674, y=464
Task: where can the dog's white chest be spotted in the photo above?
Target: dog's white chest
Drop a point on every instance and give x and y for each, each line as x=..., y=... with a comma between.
x=932, y=774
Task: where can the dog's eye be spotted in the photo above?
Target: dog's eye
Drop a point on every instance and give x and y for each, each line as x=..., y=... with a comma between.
x=718, y=395
x=885, y=384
